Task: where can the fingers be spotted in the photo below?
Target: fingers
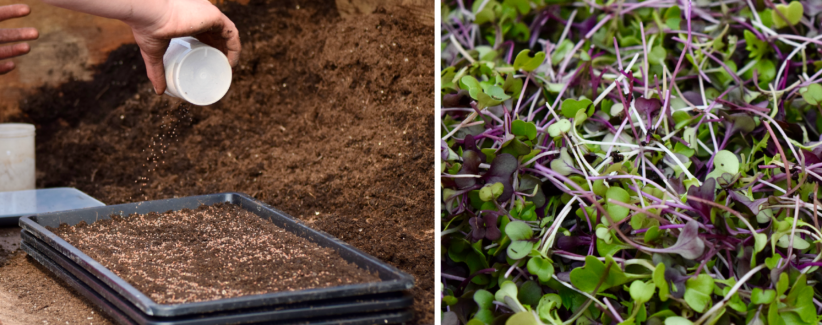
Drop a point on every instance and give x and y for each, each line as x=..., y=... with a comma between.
x=232, y=41
x=155, y=70
x=11, y=51
x=6, y=67
x=18, y=34
x=14, y=11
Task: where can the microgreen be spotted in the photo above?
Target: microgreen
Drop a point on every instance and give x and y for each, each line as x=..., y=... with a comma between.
x=631, y=162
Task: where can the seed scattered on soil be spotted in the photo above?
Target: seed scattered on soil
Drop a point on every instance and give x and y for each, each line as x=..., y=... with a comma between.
x=212, y=252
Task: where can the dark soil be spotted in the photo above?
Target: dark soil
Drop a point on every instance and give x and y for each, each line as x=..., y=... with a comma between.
x=330, y=120
x=212, y=252
x=4, y=256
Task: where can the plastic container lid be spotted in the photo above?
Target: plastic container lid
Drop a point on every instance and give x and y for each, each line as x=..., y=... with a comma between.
x=16, y=130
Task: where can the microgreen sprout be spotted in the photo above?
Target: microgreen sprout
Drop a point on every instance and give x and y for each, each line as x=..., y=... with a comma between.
x=628, y=162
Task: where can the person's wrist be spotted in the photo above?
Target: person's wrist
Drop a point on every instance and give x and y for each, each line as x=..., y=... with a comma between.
x=150, y=17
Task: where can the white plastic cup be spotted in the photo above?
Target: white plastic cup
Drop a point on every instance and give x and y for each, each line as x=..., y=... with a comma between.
x=16, y=157
x=196, y=72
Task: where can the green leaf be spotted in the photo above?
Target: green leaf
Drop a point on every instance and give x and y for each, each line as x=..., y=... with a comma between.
x=801, y=298
x=484, y=299
x=762, y=297
x=798, y=242
x=617, y=212
x=507, y=288
x=529, y=293
x=727, y=162
x=683, y=150
x=522, y=318
x=641, y=292
x=564, y=165
x=657, y=53
x=519, y=232
x=562, y=51
x=673, y=16
x=756, y=47
x=782, y=284
x=793, y=12
x=652, y=234
x=765, y=71
x=526, y=129
x=794, y=319
x=734, y=302
x=519, y=249
x=772, y=261
x=482, y=317
x=548, y=306
x=812, y=94
x=773, y=315
x=698, y=292
x=677, y=320
x=660, y=282
x=570, y=107
x=523, y=6
x=526, y=63
x=559, y=128
x=586, y=278
x=580, y=117
x=541, y=267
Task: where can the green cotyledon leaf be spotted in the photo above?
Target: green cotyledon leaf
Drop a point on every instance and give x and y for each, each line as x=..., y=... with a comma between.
x=586, y=278
x=698, y=292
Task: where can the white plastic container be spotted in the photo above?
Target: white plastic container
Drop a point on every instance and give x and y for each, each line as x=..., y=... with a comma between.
x=196, y=72
x=16, y=157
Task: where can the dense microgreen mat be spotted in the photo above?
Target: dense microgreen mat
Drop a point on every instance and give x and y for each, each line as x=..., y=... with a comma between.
x=631, y=162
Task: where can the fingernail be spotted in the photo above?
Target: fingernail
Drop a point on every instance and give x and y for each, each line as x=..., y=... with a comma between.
x=155, y=91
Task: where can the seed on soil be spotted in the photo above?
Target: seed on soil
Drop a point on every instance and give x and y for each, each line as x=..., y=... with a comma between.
x=212, y=252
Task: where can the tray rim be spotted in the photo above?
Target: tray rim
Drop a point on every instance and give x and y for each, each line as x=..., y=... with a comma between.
x=397, y=281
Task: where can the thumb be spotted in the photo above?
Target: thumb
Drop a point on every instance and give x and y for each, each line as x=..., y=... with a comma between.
x=156, y=70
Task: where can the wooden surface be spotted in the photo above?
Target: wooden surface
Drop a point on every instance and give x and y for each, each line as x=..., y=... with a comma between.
x=71, y=42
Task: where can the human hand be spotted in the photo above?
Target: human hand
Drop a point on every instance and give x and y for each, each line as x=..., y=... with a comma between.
x=197, y=18
x=12, y=35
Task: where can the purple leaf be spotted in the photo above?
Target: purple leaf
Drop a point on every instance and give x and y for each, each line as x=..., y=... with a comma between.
x=571, y=243
x=484, y=227
x=688, y=244
x=470, y=166
x=811, y=157
x=470, y=144
x=527, y=183
x=460, y=99
x=751, y=205
x=739, y=122
x=647, y=105
x=706, y=192
x=693, y=97
x=677, y=184
x=501, y=170
x=586, y=25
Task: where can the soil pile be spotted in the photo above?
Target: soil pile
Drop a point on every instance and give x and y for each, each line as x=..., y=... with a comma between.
x=330, y=120
x=212, y=252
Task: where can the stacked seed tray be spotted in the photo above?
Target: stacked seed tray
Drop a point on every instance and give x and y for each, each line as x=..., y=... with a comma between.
x=383, y=302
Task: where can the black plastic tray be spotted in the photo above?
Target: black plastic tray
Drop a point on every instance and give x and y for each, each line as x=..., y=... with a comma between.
x=124, y=312
x=392, y=279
